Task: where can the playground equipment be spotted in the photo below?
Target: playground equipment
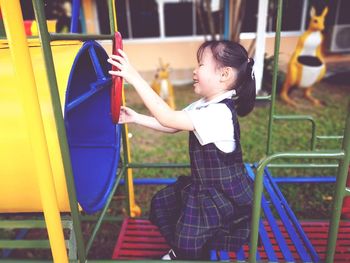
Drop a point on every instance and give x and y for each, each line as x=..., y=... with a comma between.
x=83, y=84
x=283, y=238
x=31, y=132
x=307, y=66
x=80, y=103
x=17, y=149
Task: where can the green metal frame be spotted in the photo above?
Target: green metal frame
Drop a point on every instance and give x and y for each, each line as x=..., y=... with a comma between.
x=342, y=156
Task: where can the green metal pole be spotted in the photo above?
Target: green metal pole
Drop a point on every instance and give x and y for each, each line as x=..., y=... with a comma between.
x=71, y=36
x=301, y=118
x=263, y=98
x=340, y=192
x=330, y=137
x=104, y=211
x=304, y=165
x=274, y=79
x=112, y=24
x=57, y=110
x=258, y=189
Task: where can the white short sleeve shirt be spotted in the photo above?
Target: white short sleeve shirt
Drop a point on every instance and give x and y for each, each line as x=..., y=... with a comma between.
x=212, y=122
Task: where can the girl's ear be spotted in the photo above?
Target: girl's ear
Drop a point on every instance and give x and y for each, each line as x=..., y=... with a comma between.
x=227, y=73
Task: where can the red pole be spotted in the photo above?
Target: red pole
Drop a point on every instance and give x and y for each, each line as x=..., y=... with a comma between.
x=346, y=203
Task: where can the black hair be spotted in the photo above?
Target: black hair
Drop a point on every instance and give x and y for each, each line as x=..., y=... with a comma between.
x=231, y=54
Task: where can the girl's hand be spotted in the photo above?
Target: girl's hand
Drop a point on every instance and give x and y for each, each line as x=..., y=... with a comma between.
x=124, y=68
x=127, y=115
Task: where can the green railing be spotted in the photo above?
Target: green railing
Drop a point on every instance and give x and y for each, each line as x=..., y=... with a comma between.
x=258, y=188
x=340, y=190
x=274, y=117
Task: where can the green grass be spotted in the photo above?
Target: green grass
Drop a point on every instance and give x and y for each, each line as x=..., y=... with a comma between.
x=148, y=146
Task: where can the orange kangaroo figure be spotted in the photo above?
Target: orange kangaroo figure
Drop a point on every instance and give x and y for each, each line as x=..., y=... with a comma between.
x=162, y=85
x=307, y=66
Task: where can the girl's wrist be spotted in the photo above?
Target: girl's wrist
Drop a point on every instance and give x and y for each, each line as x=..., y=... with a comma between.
x=137, y=117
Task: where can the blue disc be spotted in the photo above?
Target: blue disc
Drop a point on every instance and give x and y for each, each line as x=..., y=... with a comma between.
x=94, y=141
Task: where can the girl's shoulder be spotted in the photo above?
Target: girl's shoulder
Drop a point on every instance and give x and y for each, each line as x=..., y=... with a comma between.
x=225, y=98
x=214, y=112
x=195, y=105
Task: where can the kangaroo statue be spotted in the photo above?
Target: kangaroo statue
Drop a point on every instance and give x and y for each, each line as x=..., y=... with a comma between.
x=162, y=85
x=306, y=66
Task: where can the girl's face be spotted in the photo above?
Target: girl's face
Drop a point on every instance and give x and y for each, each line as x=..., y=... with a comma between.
x=206, y=76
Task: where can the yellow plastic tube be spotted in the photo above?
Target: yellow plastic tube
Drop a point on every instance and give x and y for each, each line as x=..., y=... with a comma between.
x=18, y=185
x=27, y=89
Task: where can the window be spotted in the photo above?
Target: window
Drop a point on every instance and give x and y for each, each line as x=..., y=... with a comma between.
x=141, y=19
x=183, y=18
x=178, y=19
x=250, y=16
x=144, y=18
x=52, y=9
x=122, y=18
x=291, y=15
x=342, y=14
x=202, y=18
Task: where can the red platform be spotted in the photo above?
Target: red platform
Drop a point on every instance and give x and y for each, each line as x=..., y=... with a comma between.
x=139, y=239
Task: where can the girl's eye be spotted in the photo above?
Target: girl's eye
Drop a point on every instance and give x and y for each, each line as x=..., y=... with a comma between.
x=200, y=65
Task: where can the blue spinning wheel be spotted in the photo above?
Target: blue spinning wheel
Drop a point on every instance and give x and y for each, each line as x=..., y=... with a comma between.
x=94, y=140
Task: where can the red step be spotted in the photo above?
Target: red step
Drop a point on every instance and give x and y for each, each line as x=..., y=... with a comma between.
x=139, y=239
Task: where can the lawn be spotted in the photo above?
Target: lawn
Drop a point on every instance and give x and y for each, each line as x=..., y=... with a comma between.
x=148, y=146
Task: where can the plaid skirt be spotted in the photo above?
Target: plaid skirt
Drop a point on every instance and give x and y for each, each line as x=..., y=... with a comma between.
x=194, y=218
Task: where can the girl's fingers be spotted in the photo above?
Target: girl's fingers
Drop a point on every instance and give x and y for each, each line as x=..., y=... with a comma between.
x=115, y=63
x=123, y=54
x=118, y=58
x=116, y=73
x=124, y=108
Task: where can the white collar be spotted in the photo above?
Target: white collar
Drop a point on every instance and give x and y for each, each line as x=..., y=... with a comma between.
x=228, y=94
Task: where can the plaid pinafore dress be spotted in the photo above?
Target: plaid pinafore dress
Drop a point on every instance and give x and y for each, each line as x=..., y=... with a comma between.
x=211, y=209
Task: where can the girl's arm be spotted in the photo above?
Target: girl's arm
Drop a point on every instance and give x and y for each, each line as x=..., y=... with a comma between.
x=128, y=115
x=167, y=117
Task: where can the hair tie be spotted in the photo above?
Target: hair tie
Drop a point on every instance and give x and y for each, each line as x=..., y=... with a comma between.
x=251, y=62
x=250, y=65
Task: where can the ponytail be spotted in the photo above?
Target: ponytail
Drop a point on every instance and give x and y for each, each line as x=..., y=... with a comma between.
x=245, y=89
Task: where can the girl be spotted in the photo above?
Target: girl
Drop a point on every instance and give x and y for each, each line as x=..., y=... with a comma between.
x=210, y=209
